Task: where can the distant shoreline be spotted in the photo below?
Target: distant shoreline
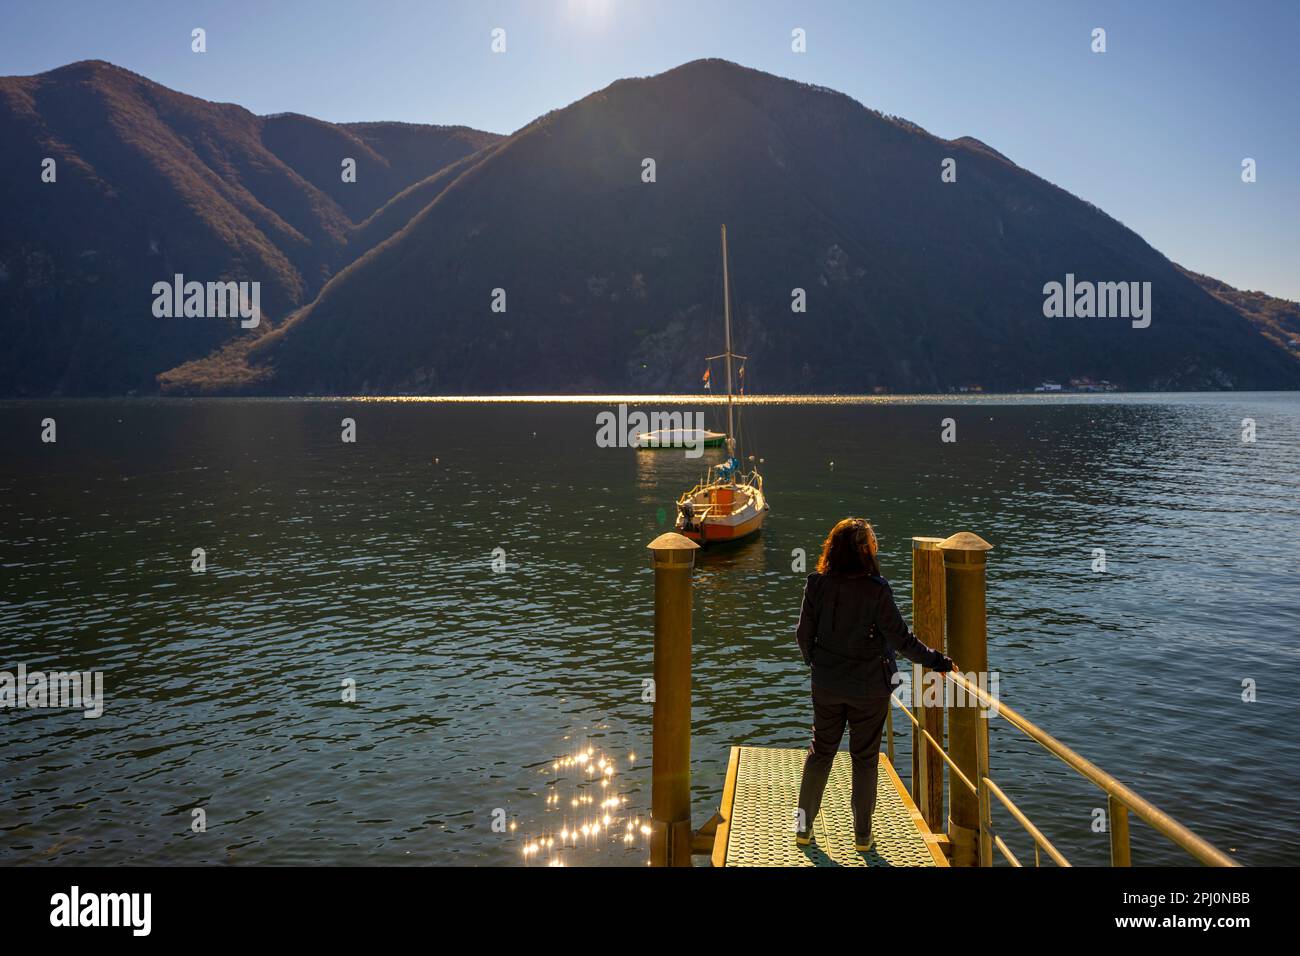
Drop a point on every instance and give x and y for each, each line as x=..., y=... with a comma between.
x=895, y=398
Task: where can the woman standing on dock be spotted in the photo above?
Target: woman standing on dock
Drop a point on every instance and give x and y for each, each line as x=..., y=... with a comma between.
x=849, y=631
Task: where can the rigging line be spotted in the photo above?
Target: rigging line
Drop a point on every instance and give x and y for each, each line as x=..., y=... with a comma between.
x=741, y=430
x=743, y=434
x=713, y=310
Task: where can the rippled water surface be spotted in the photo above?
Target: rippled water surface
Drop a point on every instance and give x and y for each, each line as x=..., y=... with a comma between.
x=479, y=693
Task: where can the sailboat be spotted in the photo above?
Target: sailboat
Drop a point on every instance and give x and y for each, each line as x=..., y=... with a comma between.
x=728, y=505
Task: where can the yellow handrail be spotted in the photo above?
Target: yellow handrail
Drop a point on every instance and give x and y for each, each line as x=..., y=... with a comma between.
x=1121, y=799
x=986, y=822
x=938, y=748
x=1154, y=817
x=1024, y=821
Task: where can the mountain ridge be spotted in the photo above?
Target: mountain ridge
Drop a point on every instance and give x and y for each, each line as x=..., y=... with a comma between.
x=912, y=284
x=588, y=310
x=150, y=182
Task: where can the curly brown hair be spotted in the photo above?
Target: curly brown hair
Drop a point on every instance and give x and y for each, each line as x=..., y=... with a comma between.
x=850, y=548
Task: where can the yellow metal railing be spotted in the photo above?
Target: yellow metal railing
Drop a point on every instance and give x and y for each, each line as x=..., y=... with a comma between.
x=1120, y=799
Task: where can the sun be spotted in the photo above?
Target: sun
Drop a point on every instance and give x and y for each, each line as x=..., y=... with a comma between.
x=592, y=13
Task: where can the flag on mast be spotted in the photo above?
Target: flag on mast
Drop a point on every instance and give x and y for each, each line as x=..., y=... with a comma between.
x=706, y=379
x=742, y=378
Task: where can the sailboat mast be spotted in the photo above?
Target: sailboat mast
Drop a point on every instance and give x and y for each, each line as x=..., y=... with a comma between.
x=726, y=308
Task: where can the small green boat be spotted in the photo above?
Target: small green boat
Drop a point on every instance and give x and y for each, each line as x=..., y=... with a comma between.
x=680, y=438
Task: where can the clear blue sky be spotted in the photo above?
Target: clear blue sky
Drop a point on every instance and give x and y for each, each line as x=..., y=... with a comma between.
x=1153, y=131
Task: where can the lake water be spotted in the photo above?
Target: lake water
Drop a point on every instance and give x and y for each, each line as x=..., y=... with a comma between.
x=480, y=692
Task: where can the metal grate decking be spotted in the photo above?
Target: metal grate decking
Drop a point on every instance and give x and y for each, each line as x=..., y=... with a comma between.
x=758, y=801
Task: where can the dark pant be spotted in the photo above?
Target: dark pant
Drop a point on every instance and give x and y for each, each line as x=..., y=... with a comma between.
x=866, y=719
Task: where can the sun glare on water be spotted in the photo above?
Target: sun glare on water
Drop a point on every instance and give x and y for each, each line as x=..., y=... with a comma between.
x=587, y=810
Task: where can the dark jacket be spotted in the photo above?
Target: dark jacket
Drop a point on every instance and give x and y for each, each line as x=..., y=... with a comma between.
x=849, y=631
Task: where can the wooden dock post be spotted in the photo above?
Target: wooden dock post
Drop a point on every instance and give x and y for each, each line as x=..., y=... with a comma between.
x=928, y=625
x=670, y=787
x=964, y=556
